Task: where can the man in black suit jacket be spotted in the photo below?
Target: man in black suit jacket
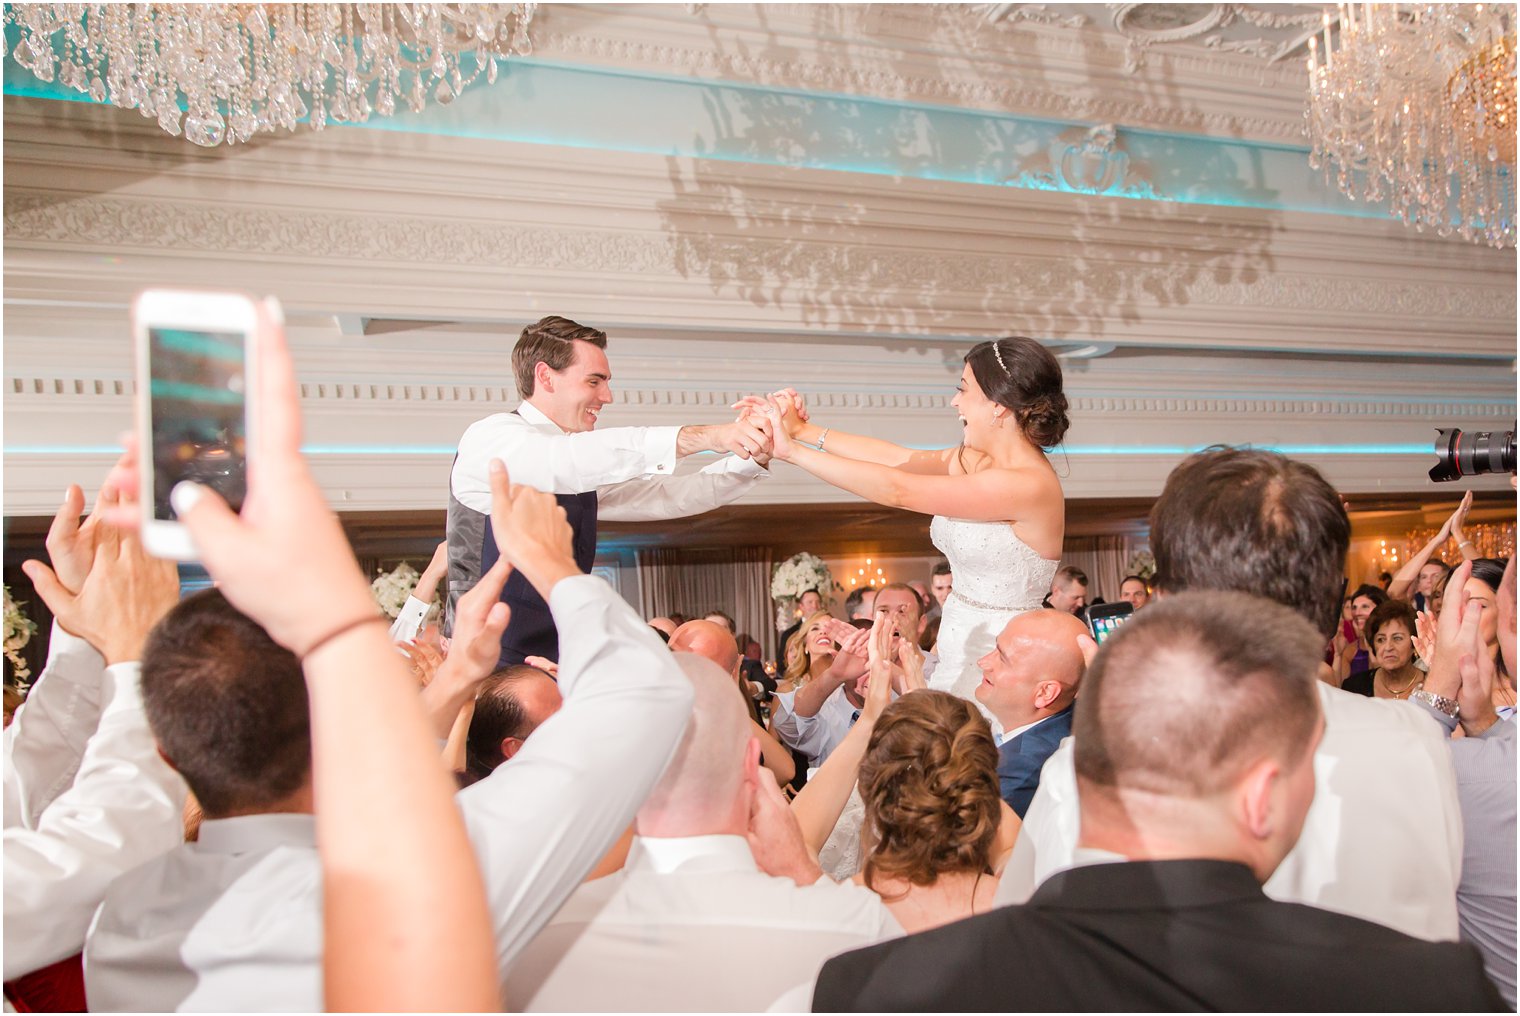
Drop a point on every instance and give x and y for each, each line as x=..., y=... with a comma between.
x=1029, y=682
x=1185, y=812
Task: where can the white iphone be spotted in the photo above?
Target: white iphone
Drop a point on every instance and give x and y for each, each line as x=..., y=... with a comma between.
x=195, y=370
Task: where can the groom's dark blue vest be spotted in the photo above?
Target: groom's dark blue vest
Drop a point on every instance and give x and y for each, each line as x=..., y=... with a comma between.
x=531, y=630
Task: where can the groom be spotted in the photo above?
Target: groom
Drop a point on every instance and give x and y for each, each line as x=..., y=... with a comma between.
x=550, y=442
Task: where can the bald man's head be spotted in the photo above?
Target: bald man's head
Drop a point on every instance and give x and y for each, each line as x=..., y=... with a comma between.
x=708, y=786
x=709, y=640
x=1034, y=669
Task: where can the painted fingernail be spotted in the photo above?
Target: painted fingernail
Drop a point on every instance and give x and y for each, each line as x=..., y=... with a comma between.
x=185, y=496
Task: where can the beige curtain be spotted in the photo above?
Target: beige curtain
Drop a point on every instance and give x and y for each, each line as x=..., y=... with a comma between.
x=734, y=580
x=1105, y=559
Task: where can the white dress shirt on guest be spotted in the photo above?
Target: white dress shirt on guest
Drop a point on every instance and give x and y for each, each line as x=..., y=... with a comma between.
x=1382, y=841
x=541, y=822
x=690, y=925
x=232, y=922
x=46, y=739
x=123, y=807
x=818, y=735
x=633, y=470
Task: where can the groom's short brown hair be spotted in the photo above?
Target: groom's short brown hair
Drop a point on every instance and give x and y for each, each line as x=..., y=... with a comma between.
x=551, y=342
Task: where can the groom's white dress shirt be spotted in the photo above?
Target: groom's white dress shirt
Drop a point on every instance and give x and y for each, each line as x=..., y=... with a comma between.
x=634, y=470
x=74, y=822
x=1382, y=841
x=690, y=924
x=235, y=920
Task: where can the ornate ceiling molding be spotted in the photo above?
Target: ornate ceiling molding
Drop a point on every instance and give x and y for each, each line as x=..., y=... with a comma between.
x=950, y=54
x=848, y=272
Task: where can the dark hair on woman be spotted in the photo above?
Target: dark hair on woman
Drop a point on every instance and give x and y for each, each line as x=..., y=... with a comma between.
x=1383, y=613
x=1024, y=377
x=1489, y=571
x=930, y=787
x=1370, y=592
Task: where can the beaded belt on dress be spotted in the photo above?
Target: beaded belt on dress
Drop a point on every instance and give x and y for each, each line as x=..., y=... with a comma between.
x=990, y=606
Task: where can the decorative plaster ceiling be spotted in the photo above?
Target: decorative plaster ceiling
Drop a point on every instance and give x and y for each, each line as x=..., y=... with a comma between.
x=1269, y=32
x=1223, y=70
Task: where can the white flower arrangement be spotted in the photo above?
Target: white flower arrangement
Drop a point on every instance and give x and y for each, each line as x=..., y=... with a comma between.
x=799, y=573
x=19, y=630
x=1143, y=564
x=391, y=588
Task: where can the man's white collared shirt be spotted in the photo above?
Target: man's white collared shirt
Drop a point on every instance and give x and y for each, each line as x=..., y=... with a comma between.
x=818, y=735
x=231, y=922
x=1382, y=841
x=691, y=924
x=634, y=470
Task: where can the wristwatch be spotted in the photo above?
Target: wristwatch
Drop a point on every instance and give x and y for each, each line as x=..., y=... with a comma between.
x=1440, y=703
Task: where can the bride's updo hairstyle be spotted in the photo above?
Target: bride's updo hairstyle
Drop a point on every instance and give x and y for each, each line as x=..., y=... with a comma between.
x=1025, y=378
x=930, y=788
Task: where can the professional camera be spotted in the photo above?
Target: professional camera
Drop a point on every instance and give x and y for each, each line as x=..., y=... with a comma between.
x=1459, y=454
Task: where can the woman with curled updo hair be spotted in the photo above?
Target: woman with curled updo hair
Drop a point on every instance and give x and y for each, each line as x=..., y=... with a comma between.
x=932, y=810
x=999, y=511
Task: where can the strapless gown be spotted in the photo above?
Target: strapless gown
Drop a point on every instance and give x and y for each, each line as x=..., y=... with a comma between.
x=996, y=577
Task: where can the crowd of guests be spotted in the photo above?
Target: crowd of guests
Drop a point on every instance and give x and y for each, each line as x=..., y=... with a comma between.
x=1203, y=813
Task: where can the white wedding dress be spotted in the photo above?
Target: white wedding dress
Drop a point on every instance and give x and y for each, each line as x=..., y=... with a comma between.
x=995, y=576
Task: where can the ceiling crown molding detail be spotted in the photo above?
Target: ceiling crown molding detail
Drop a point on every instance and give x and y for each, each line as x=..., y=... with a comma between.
x=1018, y=58
x=831, y=283
x=957, y=86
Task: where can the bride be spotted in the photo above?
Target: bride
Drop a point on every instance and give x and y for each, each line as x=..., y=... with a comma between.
x=999, y=513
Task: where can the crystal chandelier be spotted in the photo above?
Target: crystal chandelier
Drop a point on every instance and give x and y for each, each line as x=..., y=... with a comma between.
x=225, y=72
x=1415, y=104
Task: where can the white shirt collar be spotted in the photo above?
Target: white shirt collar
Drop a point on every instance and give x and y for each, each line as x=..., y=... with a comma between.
x=1009, y=735
x=528, y=411
x=1092, y=855
x=665, y=854
x=246, y=834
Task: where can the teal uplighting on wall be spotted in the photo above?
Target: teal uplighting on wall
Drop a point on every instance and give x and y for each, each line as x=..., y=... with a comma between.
x=542, y=102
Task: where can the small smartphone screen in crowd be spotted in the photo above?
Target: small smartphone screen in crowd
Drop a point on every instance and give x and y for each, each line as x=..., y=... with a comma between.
x=1105, y=618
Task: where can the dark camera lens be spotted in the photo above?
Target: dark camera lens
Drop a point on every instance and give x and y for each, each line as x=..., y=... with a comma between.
x=1459, y=454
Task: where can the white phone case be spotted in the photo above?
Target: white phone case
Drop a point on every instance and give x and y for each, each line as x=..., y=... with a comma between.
x=192, y=311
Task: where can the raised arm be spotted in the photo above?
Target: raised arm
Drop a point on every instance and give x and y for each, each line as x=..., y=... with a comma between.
x=1406, y=577
x=560, y=463
x=849, y=664
x=124, y=805
x=992, y=495
x=405, y=924
x=541, y=822
x=821, y=802
x=1458, y=517
x=674, y=497
x=45, y=742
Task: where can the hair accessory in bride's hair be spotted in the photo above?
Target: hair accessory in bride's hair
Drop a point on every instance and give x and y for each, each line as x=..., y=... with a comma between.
x=997, y=351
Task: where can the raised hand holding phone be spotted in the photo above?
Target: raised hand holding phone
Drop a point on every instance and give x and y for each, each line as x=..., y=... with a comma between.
x=196, y=366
